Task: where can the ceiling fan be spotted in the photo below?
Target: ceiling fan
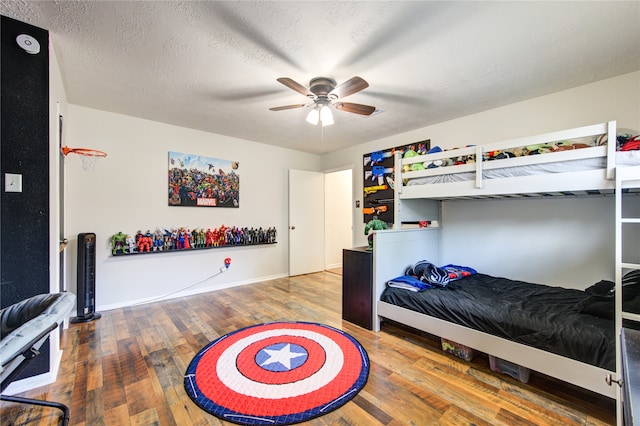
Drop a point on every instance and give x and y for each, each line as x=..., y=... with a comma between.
x=323, y=92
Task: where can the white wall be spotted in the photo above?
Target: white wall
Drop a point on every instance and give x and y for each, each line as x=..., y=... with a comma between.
x=127, y=192
x=566, y=242
x=338, y=225
x=612, y=99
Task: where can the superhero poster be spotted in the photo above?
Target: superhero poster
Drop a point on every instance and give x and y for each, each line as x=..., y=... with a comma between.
x=202, y=181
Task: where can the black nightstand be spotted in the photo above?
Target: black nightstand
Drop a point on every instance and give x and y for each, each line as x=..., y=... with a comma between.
x=357, y=264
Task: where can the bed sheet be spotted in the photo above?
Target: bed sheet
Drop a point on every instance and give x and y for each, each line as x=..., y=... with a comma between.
x=536, y=315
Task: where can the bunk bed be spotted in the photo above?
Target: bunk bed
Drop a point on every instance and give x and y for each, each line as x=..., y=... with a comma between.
x=585, y=171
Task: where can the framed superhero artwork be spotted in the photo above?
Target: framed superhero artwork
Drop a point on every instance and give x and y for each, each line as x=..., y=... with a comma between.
x=379, y=181
x=199, y=181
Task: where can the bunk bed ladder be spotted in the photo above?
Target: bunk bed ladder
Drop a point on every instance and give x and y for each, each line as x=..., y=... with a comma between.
x=625, y=177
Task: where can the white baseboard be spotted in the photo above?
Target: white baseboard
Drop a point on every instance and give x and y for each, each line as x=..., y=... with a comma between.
x=189, y=292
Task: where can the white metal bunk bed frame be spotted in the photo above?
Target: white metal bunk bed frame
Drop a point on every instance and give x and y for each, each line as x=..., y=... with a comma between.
x=396, y=248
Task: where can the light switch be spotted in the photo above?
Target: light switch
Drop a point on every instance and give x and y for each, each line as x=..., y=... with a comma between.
x=12, y=182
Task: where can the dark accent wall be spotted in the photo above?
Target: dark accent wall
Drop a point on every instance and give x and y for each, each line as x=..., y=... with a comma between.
x=24, y=135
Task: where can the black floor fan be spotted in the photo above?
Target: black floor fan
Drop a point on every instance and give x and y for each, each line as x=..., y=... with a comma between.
x=86, y=288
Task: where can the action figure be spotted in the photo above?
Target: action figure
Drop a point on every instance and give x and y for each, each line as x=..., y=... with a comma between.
x=143, y=241
x=149, y=238
x=118, y=243
x=183, y=240
x=222, y=235
x=131, y=242
x=167, y=241
x=228, y=236
x=216, y=237
x=272, y=235
x=158, y=240
x=201, y=238
x=374, y=224
x=209, y=238
x=187, y=239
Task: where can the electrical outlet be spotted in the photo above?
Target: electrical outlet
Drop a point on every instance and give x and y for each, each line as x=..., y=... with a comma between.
x=12, y=182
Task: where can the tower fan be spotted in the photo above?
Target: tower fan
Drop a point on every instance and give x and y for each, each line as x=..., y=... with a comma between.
x=86, y=288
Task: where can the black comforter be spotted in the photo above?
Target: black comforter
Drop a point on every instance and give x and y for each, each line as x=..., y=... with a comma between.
x=544, y=317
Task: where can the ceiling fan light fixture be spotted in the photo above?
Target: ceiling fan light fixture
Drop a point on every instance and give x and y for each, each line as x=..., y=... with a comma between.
x=324, y=93
x=313, y=116
x=326, y=116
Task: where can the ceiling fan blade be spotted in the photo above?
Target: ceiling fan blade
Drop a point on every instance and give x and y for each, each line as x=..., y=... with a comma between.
x=355, y=108
x=281, y=108
x=349, y=87
x=295, y=86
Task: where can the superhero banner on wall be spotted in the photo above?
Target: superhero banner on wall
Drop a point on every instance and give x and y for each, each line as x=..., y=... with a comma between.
x=202, y=181
x=379, y=179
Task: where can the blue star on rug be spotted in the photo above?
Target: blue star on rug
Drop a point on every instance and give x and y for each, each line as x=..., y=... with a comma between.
x=285, y=356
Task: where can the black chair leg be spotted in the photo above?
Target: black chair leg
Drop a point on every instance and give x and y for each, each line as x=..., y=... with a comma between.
x=64, y=408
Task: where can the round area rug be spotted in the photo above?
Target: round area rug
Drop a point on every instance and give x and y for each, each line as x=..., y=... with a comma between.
x=277, y=373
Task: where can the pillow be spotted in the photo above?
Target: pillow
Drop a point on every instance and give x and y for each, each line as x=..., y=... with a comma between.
x=429, y=273
x=602, y=288
x=601, y=300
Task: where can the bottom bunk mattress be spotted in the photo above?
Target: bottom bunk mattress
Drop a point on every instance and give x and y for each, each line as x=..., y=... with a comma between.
x=544, y=317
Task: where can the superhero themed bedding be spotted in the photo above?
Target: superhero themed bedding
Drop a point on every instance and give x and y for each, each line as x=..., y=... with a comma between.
x=572, y=323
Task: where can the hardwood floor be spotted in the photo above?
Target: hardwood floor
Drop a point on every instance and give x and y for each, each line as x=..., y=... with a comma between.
x=127, y=367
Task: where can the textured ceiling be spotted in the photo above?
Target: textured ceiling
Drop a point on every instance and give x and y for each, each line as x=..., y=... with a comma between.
x=213, y=65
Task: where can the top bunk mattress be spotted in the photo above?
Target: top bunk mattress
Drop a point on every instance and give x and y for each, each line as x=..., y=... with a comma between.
x=544, y=317
x=623, y=158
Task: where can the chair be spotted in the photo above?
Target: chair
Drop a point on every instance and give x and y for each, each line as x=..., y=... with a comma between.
x=24, y=326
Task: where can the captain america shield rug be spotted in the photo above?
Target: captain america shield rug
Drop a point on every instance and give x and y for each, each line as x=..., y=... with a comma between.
x=277, y=373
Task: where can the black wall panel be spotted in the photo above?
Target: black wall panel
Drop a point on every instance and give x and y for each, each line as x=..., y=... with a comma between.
x=24, y=135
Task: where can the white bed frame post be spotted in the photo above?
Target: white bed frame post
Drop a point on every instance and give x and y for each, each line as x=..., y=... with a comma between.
x=612, y=135
x=625, y=177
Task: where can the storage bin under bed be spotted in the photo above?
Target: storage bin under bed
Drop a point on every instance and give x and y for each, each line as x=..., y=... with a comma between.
x=514, y=370
x=461, y=351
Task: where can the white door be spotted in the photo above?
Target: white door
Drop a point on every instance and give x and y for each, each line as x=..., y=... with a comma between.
x=338, y=216
x=306, y=222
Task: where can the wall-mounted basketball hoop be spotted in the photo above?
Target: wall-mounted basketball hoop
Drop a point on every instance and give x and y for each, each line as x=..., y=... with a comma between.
x=89, y=156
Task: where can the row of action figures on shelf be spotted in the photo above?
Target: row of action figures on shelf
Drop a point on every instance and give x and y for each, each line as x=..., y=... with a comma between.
x=185, y=239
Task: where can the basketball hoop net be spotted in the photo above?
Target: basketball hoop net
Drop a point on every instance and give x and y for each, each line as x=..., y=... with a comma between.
x=88, y=156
